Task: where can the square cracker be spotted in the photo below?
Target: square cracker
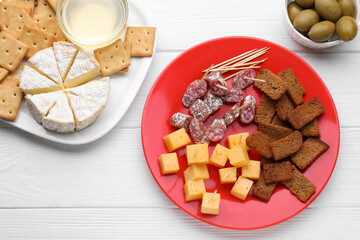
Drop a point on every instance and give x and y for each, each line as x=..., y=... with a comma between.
x=127, y=46
x=12, y=51
x=13, y=18
x=10, y=99
x=10, y=82
x=3, y=73
x=112, y=58
x=45, y=18
x=35, y=39
x=142, y=40
x=27, y=5
x=53, y=4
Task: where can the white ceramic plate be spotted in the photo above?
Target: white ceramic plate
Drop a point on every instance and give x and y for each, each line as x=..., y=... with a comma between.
x=124, y=87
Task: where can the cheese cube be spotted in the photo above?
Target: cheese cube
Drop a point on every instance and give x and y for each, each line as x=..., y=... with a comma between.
x=252, y=170
x=241, y=188
x=238, y=140
x=210, y=203
x=169, y=163
x=176, y=140
x=197, y=153
x=238, y=157
x=194, y=189
x=227, y=175
x=219, y=156
x=196, y=171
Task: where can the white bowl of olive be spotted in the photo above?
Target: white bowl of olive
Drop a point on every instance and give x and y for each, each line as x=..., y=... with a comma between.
x=322, y=23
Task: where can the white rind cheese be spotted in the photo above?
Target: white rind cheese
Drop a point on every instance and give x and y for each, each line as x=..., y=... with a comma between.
x=97, y=91
x=32, y=82
x=84, y=68
x=40, y=104
x=45, y=62
x=65, y=54
x=85, y=111
x=60, y=118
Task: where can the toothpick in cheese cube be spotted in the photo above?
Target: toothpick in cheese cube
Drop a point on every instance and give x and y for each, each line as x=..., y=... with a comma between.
x=210, y=203
x=227, y=175
x=219, y=156
x=197, y=153
x=238, y=140
x=252, y=170
x=169, y=163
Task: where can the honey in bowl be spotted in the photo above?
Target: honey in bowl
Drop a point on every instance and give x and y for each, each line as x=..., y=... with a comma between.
x=92, y=23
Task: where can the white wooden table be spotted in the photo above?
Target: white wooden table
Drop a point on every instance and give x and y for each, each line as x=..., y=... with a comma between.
x=104, y=190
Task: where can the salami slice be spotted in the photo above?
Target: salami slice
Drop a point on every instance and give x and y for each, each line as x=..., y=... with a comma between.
x=180, y=120
x=219, y=87
x=214, y=102
x=198, y=133
x=195, y=90
x=247, y=114
x=240, y=81
x=231, y=114
x=234, y=95
x=212, y=76
x=217, y=130
x=200, y=110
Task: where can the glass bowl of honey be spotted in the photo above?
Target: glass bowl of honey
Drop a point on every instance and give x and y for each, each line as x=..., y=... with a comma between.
x=92, y=23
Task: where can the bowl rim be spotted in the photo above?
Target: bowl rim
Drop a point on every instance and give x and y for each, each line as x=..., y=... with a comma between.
x=308, y=40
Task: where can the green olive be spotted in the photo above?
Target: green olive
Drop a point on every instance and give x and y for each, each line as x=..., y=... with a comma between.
x=305, y=20
x=322, y=31
x=305, y=3
x=346, y=28
x=348, y=8
x=293, y=10
x=328, y=9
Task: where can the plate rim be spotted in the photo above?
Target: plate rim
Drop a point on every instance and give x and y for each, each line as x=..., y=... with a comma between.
x=307, y=204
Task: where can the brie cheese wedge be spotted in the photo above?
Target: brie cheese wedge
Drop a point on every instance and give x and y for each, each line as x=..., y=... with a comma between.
x=60, y=117
x=40, y=104
x=85, y=111
x=45, y=63
x=65, y=54
x=32, y=82
x=84, y=68
x=96, y=91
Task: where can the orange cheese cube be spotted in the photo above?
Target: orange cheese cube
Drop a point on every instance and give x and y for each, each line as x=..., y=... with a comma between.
x=194, y=189
x=251, y=171
x=238, y=140
x=238, y=157
x=219, y=156
x=176, y=140
x=169, y=163
x=210, y=203
x=197, y=153
x=241, y=188
x=196, y=171
x=227, y=175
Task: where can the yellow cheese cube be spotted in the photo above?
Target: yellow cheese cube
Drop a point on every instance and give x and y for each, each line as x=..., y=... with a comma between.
x=197, y=153
x=227, y=175
x=210, y=203
x=241, y=188
x=238, y=157
x=196, y=171
x=176, y=140
x=219, y=156
x=169, y=163
x=252, y=170
x=238, y=140
x=194, y=189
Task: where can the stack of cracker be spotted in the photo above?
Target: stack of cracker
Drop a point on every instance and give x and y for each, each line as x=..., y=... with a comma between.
x=287, y=137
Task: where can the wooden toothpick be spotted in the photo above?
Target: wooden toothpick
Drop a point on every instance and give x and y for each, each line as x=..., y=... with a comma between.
x=214, y=194
x=243, y=106
x=197, y=124
x=255, y=79
x=222, y=87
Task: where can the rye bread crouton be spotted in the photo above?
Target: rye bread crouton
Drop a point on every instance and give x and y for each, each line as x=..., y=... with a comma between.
x=299, y=185
x=264, y=160
x=286, y=146
x=277, y=121
x=295, y=89
x=273, y=86
x=311, y=149
x=284, y=106
x=260, y=143
x=277, y=172
x=265, y=111
x=311, y=129
x=263, y=191
x=306, y=113
x=274, y=131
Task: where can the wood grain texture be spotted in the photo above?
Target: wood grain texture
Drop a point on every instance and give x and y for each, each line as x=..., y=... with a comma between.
x=104, y=190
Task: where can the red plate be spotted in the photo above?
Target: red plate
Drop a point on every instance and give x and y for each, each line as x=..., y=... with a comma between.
x=165, y=99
